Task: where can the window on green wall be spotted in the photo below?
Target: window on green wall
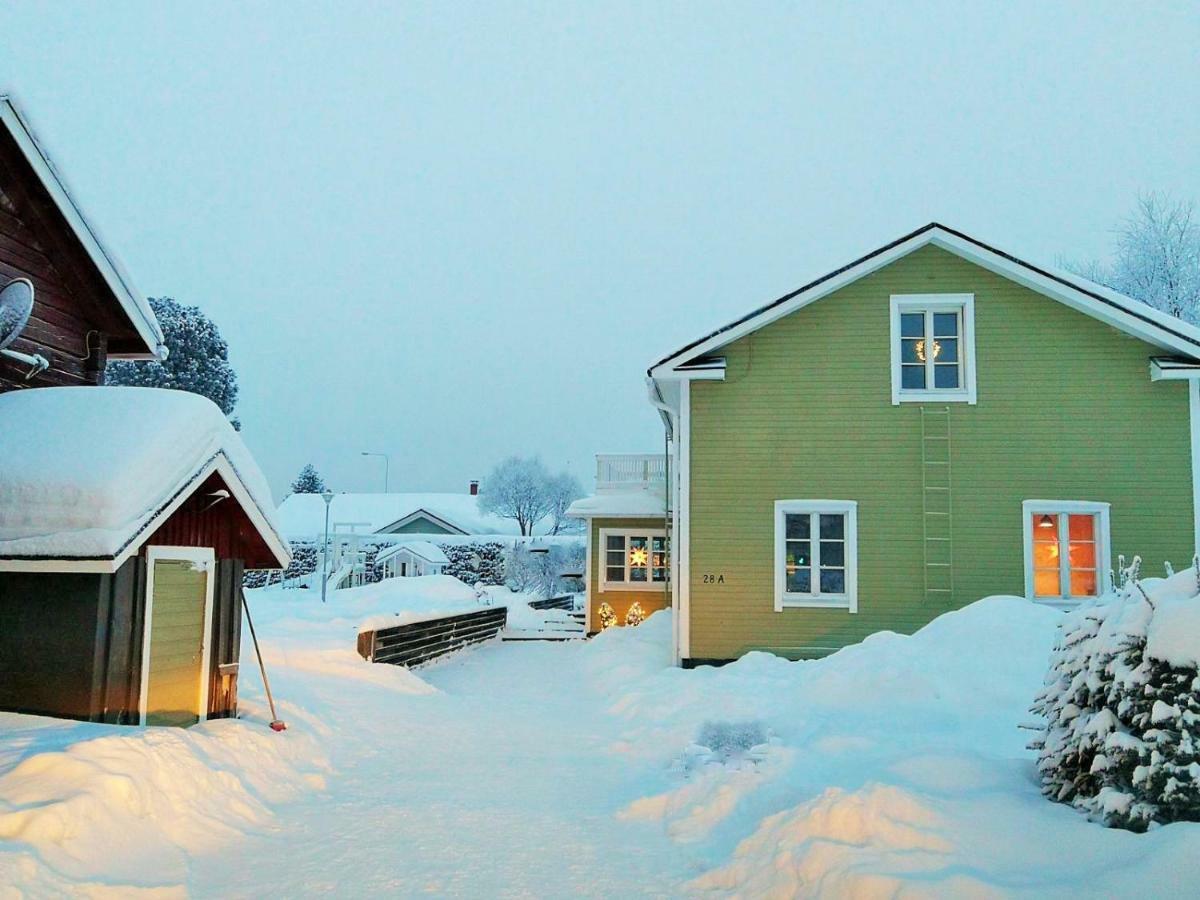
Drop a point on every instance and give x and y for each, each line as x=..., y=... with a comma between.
x=634, y=560
x=816, y=554
x=933, y=347
x=1066, y=550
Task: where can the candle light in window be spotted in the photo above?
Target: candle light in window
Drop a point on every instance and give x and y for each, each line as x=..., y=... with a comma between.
x=638, y=556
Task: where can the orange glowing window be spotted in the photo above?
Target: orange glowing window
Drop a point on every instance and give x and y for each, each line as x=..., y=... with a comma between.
x=1064, y=554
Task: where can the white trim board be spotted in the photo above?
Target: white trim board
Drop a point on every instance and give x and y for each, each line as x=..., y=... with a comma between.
x=1108, y=306
x=682, y=558
x=422, y=513
x=203, y=556
x=136, y=307
x=930, y=304
x=1194, y=420
x=617, y=587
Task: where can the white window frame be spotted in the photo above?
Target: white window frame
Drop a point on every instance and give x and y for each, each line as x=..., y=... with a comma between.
x=649, y=584
x=1062, y=509
x=964, y=304
x=784, y=599
x=204, y=558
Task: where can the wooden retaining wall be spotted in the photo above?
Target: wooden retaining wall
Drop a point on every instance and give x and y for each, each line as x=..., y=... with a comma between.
x=567, y=602
x=419, y=642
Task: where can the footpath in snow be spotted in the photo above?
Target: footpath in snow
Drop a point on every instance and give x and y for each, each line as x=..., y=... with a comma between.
x=581, y=768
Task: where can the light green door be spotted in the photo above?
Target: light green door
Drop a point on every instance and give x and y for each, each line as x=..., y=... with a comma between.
x=177, y=619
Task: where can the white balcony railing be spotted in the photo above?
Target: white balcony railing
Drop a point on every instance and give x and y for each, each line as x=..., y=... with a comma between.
x=630, y=471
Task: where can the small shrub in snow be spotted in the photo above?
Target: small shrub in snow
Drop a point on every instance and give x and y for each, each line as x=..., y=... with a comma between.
x=607, y=616
x=1121, y=706
x=474, y=563
x=730, y=740
x=541, y=573
x=635, y=615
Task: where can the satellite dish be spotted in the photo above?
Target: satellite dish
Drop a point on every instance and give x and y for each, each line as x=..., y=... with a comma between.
x=16, y=303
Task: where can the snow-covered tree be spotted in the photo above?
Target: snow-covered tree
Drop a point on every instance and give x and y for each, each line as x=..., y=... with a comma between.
x=518, y=489
x=1157, y=257
x=198, y=358
x=635, y=615
x=1121, y=706
x=563, y=490
x=309, y=481
x=475, y=563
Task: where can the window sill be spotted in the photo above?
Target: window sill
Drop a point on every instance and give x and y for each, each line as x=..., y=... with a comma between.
x=799, y=601
x=621, y=587
x=1061, y=602
x=933, y=397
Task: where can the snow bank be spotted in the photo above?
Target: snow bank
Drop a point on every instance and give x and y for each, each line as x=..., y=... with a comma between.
x=86, y=468
x=130, y=805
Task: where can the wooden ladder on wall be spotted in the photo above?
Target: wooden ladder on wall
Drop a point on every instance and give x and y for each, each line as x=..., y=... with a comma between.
x=936, y=507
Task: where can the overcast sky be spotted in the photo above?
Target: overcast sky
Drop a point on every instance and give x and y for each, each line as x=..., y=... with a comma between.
x=453, y=233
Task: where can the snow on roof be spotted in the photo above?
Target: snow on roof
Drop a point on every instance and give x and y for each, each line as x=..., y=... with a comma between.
x=88, y=470
x=427, y=551
x=631, y=504
x=135, y=304
x=303, y=515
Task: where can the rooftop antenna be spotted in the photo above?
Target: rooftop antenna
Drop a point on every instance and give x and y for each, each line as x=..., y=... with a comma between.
x=16, y=303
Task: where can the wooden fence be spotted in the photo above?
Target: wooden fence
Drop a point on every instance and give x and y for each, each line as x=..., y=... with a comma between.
x=419, y=642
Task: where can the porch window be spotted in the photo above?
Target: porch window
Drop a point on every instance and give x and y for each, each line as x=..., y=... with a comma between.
x=816, y=554
x=933, y=347
x=634, y=560
x=1066, y=550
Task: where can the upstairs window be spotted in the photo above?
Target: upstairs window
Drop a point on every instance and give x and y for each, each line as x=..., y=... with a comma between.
x=634, y=560
x=933, y=347
x=1066, y=550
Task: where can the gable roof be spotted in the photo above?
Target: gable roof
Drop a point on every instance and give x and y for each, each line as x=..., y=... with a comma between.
x=133, y=304
x=425, y=550
x=303, y=515
x=430, y=517
x=1109, y=306
x=90, y=473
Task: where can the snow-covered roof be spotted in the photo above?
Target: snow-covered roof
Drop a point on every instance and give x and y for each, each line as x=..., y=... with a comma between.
x=622, y=504
x=135, y=304
x=427, y=551
x=88, y=473
x=303, y=515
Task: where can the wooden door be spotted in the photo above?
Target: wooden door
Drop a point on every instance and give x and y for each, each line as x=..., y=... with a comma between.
x=175, y=658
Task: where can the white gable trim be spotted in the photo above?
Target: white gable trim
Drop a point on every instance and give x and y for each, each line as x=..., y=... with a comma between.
x=423, y=514
x=135, y=305
x=1108, y=306
x=218, y=464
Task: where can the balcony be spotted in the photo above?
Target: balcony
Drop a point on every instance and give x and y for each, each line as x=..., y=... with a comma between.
x=616, y=472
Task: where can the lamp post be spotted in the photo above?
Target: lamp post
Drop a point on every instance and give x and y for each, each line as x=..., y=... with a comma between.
x=387, y=464
x=327, y=496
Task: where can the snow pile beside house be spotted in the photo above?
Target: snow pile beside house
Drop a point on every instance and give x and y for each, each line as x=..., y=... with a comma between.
x=97, y=802
x=1122, y=706
x=86, y=468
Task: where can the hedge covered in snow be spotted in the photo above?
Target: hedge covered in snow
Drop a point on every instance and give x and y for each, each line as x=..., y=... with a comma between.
x=1121, y=705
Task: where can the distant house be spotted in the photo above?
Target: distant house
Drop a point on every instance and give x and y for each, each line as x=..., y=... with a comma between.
x=302, y=516
x=121, y=565
x=627, y=536
x=85, y=309
x=934, y=422
x=411, y=560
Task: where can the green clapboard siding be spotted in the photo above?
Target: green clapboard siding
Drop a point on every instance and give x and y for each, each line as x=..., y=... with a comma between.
x=1066, y=411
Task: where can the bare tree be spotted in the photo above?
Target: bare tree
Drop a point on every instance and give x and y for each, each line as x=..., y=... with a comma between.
x=563, y=489
x=518, y=489
x=1157, y=257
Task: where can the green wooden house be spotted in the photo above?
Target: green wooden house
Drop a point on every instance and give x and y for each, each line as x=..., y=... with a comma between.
x=933, y=423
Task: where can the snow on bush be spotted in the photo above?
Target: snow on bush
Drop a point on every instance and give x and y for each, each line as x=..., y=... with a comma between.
x=541, y=572
x=1121, y=705
x=474, y=563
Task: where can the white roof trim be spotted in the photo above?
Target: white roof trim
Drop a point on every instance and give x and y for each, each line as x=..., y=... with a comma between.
x=135, y=305
x=423, y=514
x=1101, y=303
x=1167, y=369
x=219, y=464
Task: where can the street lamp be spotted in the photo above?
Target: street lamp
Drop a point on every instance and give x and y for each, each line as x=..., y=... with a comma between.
x=327, y=496
x=386, y=466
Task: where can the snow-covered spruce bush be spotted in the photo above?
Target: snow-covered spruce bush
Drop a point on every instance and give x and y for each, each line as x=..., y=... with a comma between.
x=474, y=563
x=1121, y=705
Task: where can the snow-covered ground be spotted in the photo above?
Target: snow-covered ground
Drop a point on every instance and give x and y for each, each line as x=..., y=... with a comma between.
x=895, y=767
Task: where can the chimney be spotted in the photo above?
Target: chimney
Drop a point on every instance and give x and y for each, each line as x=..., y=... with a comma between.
x=474, y=488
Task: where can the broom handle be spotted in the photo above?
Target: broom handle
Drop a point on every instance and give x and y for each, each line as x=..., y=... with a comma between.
x=258, y=653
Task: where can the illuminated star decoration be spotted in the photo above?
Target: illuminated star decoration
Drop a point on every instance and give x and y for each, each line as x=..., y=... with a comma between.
x=638, y=556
